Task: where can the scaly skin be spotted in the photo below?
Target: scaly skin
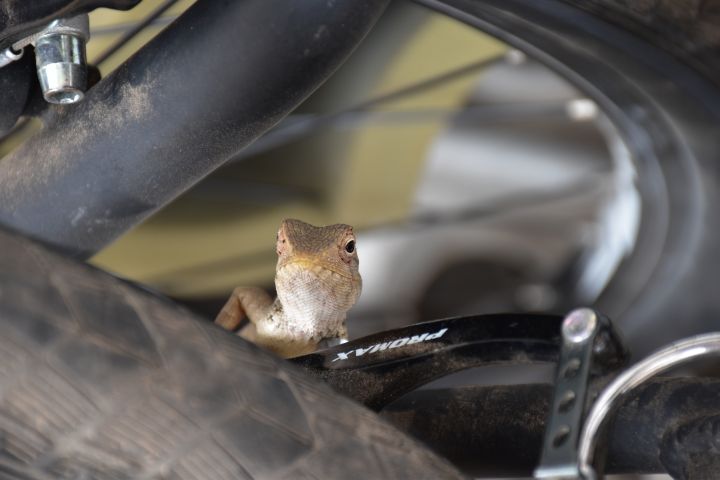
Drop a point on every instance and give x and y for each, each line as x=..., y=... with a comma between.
x=317, y=281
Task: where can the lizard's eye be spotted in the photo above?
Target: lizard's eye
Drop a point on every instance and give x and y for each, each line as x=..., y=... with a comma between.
x=350, y=246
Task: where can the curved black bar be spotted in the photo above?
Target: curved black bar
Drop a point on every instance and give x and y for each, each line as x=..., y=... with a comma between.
x=204, y=88
x=379, y=368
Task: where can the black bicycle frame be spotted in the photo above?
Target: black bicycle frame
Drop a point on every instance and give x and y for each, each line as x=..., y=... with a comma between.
x=204, y=88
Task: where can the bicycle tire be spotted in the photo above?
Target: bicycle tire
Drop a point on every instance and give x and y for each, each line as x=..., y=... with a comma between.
x=653, y=70
x=102, y=380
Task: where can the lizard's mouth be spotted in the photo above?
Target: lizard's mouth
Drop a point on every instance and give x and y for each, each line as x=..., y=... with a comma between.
x=313, y=265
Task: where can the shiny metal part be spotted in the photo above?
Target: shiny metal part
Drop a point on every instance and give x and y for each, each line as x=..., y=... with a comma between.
x=562, y=430
x=670, y=356
x=60, y=59
x=579, y=325
x=9, y=55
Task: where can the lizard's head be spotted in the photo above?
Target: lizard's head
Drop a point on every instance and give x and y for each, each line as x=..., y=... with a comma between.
x=317, y=266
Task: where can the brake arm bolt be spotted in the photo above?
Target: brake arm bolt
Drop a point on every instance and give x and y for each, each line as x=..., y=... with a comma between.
x=579, y=325
x=61, y=61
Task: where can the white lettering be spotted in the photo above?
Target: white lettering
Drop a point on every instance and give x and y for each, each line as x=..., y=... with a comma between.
x=436, y=335
x=380, y=347
x=362, y=351
x=399, y=342
x=342, y=356
x=424, y=337
x=417, y=338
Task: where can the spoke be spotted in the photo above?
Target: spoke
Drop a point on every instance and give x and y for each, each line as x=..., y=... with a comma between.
x=125, y=27
x=422, y=85
x=301, y=125
x=483, y=113
x=293, y=127
x=134, y=31
x=499, y=208
x=503, y=206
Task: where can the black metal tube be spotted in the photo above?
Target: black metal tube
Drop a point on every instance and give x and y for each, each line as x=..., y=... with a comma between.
x=207, y=86
x=498, y=430
x=690, y=451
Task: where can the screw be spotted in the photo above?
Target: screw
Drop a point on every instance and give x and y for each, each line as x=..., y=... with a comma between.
x=579, y=325
x=60, y=59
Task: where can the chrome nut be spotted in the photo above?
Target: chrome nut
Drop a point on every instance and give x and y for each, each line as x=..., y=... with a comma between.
x=61, y=60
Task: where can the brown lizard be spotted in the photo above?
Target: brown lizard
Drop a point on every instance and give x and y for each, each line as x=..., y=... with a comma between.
x=317, y=281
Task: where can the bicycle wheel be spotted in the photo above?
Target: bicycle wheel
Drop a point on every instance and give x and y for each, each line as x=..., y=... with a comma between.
x=652, y=88
x=101, y=380
x=652, y=69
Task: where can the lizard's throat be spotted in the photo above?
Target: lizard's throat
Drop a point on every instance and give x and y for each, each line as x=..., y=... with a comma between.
x=312, y=293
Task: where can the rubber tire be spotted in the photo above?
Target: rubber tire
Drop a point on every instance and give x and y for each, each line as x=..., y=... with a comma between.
x=102, y=380
x=686, y=28
x=653, y=67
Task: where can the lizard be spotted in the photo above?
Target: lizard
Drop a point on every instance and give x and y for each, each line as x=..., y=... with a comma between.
x=316, y=280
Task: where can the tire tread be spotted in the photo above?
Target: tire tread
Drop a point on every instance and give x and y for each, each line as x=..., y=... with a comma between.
x=108, y=381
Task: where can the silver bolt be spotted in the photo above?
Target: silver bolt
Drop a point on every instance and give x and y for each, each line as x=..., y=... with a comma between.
x=60, y=60
x=579, y=325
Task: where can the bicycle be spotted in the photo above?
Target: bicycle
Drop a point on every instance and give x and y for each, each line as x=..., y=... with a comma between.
x=149, y=371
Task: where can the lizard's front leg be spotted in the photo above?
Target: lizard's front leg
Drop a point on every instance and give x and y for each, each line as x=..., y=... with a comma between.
x=251, y=302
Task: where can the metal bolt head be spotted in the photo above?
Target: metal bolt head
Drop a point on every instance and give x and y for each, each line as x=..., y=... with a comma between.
x=60, y=59
x=61, y=67
x=579, y=325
